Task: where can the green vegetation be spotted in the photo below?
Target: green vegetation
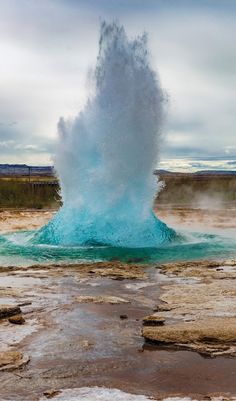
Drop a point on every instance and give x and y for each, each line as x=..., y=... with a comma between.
x=18, y=193
x=198, y=189
x=42, y=192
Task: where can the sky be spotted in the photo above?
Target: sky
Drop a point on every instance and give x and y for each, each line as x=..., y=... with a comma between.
x=48, y=48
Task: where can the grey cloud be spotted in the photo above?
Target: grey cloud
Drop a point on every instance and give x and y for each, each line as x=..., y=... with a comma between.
x=53, y=43
x=12, y=145
x=196, y=164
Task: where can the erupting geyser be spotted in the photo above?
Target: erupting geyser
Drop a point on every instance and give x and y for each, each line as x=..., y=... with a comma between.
x=105, y=156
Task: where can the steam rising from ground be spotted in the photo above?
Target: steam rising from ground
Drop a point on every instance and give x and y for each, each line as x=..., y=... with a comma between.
x=106, y=155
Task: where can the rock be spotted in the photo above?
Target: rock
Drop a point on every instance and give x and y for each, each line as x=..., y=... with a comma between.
x=16, y=319
x=213, y=336
x=199, y=269
x=123, y=317
x=86, y=344
x=115, y=270
x=99, y=299
x=135, y=260
x=9, y=310
x=153, y=320
x=26, y=303
x=51, y=393
x=162, y=308
x=12, y=360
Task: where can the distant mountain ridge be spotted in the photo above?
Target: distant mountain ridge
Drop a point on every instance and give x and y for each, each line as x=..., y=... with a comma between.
x=199, y=172
x=25, y=169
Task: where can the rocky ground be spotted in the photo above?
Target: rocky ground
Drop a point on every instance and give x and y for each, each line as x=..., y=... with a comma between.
x=15, y=219
x=155, y=331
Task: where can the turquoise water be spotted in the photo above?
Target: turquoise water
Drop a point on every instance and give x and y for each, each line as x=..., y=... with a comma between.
x=19, y=249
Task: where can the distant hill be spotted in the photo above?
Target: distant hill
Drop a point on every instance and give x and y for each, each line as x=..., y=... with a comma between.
x=196, y=173
x=217, y=172
x=24, y=169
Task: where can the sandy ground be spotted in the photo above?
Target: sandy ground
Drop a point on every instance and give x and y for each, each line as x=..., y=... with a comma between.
x=82, y=326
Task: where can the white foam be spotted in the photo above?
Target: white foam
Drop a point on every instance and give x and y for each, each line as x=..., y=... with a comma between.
x=107, y=394
x=96, y=394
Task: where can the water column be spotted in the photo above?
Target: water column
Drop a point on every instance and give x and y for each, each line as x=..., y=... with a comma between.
x=106, y=155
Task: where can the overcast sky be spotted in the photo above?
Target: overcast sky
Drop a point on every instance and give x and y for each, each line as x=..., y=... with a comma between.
x=47, y=48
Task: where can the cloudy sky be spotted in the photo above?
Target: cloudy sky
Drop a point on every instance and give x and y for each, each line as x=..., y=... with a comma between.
x=47, y=48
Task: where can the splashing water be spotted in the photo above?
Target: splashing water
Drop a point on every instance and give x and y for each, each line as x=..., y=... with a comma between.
x=106, y=155
x=105, y=159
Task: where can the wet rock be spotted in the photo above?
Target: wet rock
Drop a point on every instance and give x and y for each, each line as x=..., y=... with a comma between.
x=162, y=308
x=122, y=317
x=99, y=299
x=51, y=393
x=86, y=344
x=199, y=270
x=153, y=320
x=213, y=336
x=16, y=319
x=26, y=303
x=10, y=360
x=116, y=270
x=135, y=260
x=9, y=310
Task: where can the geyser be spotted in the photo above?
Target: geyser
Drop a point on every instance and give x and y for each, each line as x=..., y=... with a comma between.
x=105, y=156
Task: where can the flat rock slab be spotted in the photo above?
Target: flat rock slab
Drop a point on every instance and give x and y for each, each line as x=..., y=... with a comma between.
x=100, y=299
x=10, y=360
x=213, y=336
x=203, y=269
x=153, y=320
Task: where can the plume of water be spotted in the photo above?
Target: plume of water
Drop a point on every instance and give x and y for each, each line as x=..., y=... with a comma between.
x=106, y=155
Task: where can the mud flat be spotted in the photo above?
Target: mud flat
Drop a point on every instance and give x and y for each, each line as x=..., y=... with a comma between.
x=134, y=331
